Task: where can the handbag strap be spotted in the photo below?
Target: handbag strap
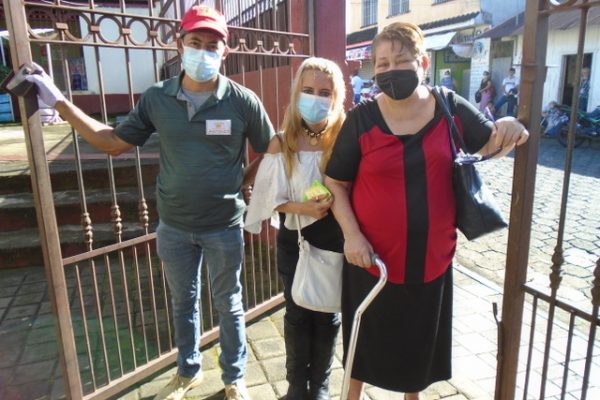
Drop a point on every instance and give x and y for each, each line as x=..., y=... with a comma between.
x=445, y=98
x=291, y=192
x=291, y=189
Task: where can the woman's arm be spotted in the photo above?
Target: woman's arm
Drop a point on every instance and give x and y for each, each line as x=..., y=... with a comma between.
x=357, y=249
x=507, y=133
x=316, y=208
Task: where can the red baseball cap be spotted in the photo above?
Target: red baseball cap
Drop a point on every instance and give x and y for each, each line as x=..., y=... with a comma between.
x=202, y=17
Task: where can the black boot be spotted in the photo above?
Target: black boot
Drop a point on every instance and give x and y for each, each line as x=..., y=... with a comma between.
x=297, y=357
x=321, y=358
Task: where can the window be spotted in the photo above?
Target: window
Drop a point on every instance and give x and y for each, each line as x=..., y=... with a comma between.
x=369, y=12
x=398, y=7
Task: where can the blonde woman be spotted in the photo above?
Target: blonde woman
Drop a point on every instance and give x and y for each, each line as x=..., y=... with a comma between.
x=294, y=160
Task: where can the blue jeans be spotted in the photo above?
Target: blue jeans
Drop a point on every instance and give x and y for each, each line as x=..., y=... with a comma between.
x=510, y=107
x=181, y=253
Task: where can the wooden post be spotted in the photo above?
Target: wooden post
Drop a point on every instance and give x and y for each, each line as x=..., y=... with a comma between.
x=16, y=21
x=533, y=75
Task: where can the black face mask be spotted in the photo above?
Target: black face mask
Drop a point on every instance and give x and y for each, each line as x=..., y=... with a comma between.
x=398, y=83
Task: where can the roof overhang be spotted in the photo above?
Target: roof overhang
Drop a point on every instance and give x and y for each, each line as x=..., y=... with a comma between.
x=439, y=41
x=514, y=26
x=452, y=27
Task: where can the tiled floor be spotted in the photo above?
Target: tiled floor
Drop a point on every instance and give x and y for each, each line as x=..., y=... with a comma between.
x=29, y=368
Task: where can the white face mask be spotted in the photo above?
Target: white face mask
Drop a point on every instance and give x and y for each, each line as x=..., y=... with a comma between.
x=200, y=65
x=313, y=109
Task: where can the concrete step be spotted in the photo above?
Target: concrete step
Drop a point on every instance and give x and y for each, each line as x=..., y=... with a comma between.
x=22, y=248
x=95, y=176
x=19, y=236
x=17, y=211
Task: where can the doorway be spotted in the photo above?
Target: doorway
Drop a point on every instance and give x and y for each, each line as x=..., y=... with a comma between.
x=568, y=79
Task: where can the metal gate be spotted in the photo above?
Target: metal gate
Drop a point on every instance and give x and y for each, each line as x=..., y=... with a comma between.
x=109, y=296
x=528, y=362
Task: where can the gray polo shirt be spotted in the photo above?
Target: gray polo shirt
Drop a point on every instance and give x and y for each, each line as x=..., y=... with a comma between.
x=201, y=153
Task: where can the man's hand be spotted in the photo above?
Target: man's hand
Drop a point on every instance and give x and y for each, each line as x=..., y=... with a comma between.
x=47, y=90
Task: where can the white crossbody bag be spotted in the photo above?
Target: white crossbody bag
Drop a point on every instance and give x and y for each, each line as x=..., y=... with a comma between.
x=317, y=282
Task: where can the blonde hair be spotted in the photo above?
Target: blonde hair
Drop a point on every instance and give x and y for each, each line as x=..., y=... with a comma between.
x=409, y=35
x=292, y=120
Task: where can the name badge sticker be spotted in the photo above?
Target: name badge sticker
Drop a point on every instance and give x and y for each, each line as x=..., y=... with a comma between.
x=218, y=127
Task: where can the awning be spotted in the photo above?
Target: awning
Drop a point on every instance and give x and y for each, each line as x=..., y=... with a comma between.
x=560, y=21
x=464, y=50
x=440, y=41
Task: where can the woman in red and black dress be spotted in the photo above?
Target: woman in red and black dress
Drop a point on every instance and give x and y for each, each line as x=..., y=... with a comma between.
x=390, y=173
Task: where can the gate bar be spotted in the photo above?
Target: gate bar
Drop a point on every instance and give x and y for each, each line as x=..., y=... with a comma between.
x=16, y=21
x=558, y=258
x=533, y=74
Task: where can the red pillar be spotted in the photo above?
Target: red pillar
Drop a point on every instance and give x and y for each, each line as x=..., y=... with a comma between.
x=330, y=36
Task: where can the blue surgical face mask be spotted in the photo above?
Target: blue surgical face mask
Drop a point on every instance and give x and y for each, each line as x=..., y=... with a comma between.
x=200, y=65
x=313, y=109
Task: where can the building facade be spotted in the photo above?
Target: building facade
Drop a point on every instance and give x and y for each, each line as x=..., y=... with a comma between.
x=561, y=52
x=452, y=29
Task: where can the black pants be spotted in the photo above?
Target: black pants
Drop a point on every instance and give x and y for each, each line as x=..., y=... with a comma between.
x=309, y=335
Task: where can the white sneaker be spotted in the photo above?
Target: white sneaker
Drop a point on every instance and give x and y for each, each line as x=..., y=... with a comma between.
x=236, y=391
x=178, y=387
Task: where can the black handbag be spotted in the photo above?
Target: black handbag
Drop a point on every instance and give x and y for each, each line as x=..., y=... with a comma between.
x=477, y=213
x=478, y=96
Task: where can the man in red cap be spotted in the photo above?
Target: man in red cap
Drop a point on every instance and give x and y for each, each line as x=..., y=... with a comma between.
x=203, y=120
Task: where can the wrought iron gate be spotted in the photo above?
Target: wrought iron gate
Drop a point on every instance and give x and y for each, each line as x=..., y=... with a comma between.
x=520, y=374
x=110, y=296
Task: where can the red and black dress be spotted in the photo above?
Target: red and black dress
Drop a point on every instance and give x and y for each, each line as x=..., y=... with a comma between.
x=403, y=202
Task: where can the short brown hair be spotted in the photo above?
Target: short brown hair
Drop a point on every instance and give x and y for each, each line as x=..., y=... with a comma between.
x=409, y=35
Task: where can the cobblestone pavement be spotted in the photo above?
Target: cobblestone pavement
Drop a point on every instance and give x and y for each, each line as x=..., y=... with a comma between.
x=487, y=256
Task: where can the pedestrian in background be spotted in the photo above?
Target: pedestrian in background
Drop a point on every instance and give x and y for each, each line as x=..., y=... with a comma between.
x=489, y=111
x=448, y=81
x=204, y=120
x=510, y=87
x=584, y=89
x=486, y=90
x=357, y=84
x=311, y=123
x=390, y=173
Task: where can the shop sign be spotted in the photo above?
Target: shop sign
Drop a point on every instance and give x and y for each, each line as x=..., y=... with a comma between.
x=469, y=35
x=359, y=53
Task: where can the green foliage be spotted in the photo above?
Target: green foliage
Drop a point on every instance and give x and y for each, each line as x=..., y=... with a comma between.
x=4, y=71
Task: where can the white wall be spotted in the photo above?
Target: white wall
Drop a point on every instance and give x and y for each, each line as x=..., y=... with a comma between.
x=560, y=44
x=113, y=62
x=480, y=61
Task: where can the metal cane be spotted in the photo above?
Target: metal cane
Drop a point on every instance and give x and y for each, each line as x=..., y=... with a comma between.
x=356, y=323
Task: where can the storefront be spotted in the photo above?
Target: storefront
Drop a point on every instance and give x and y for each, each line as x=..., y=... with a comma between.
x=358, y=52
x=451, y=46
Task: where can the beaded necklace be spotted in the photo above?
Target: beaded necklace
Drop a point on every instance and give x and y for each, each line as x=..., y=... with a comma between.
x=314, y=137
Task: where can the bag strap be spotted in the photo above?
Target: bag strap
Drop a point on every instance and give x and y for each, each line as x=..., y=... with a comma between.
x=291, y=192
x=445, y=99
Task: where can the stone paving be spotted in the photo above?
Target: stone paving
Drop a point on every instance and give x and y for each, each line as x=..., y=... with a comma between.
x=582, y=230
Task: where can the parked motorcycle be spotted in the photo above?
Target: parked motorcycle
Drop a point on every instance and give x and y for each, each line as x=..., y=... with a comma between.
x=587, y=127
